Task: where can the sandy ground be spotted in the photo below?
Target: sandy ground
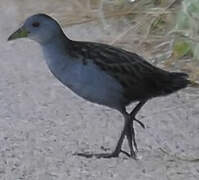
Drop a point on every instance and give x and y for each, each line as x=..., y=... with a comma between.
x=42, y=124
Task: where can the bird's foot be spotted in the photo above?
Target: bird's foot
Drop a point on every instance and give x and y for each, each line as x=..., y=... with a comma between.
x=100, y=155
x=103, y=155
x=130, y=135
x=129, y=132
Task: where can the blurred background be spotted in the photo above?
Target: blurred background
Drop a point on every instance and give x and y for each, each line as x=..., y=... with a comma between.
x=163, y=31
x=42, y=123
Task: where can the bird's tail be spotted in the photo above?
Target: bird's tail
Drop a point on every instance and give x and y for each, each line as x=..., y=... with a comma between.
x=175, y=82
x=193, y=84
x=171, y=82
x=180, y=80
x=184, y=80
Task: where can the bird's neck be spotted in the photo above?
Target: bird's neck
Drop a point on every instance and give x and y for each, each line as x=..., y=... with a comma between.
x=56, y=52
x=58, y=40
x=59, y=44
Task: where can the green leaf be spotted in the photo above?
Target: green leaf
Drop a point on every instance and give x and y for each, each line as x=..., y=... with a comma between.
x=182, y=48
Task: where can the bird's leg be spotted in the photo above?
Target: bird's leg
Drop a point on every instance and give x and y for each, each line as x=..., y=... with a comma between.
x=115, y=153
x=128, y=131
x=131, y=130
x=129, y=134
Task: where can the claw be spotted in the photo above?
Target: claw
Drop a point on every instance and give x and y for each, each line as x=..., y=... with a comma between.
x=139, y=122
x=124, y=152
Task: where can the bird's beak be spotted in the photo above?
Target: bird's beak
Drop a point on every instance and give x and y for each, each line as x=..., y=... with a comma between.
x=20, y=33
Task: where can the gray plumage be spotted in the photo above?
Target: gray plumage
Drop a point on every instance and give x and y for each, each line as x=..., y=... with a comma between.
x=101, y=73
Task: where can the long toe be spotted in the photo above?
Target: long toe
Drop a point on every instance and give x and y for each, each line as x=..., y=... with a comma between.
x=100, y=155
x=139, y=122
x=134, y=141
x=130, y=134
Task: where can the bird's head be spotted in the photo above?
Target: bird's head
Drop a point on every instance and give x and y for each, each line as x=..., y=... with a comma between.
x=40, y=27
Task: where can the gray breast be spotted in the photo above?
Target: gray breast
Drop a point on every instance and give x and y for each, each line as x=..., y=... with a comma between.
x=87, y=81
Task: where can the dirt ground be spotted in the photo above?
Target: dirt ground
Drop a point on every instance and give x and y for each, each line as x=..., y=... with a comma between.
x=42, y=123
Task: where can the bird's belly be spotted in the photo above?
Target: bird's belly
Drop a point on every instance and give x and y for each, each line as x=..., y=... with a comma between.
x=90, y=83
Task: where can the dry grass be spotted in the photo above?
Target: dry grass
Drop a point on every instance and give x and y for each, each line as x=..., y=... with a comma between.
x=148, y=24
x=145, y=27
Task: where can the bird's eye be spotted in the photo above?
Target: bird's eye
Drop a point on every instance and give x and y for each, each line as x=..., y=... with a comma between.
x=35, y=24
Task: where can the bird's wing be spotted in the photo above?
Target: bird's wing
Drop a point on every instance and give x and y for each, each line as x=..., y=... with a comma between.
x=108, y=55
x=134, y=73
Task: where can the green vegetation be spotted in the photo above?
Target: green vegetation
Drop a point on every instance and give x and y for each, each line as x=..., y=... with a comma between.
x=182, y=48
x=187, y=26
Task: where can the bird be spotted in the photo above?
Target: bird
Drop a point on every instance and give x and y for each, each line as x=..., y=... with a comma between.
x=102, y=74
